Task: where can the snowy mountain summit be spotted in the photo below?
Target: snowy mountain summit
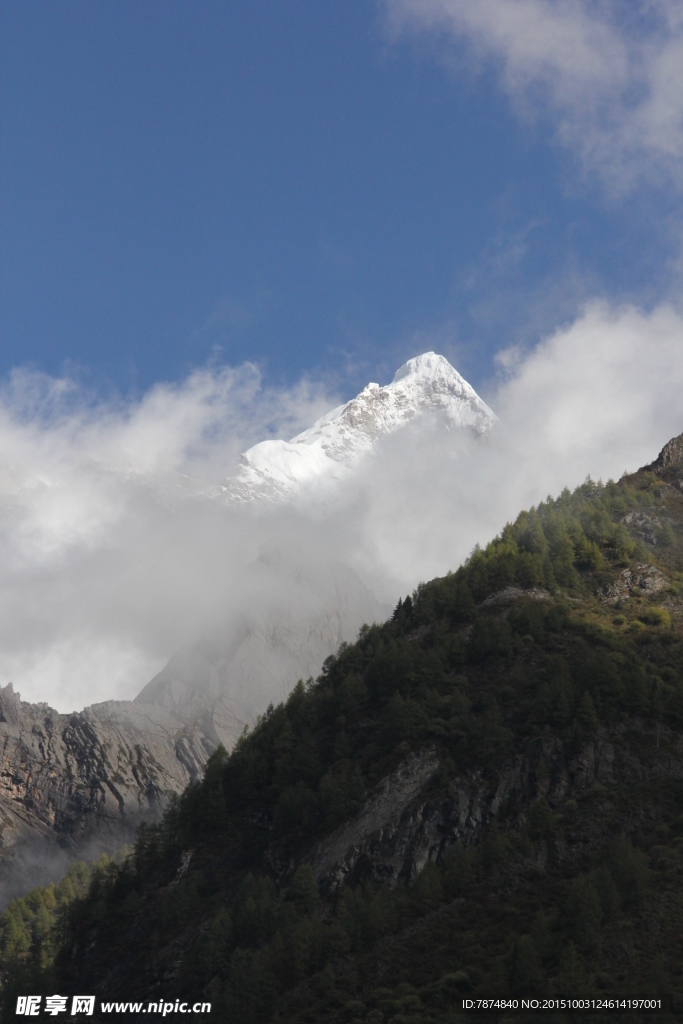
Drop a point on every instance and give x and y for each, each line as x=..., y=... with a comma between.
x=329, y=449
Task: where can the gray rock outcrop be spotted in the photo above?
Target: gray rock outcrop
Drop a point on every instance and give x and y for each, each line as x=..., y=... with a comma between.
x=74, y=785
x=402, y=825
x=670, y=455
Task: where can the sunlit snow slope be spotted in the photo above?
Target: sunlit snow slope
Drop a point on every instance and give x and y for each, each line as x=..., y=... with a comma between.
x=328, y=450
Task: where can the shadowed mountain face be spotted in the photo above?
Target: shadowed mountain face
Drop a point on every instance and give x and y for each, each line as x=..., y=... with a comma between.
x=297, y=608
x=481, y=797
x=668, y=462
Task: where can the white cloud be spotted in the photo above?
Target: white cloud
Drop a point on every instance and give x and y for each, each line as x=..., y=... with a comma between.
x=114, y=548
x=112, y=545
x=610, y=76
x=69, y=464
x=600, y=394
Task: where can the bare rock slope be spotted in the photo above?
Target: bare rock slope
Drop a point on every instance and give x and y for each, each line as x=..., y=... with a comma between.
x=72, y=785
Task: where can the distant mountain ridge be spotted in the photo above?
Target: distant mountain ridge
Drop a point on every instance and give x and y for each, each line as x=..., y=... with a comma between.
x=328, y=450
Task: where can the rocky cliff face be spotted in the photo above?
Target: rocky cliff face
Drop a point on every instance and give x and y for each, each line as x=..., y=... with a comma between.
x=72, y=785
x=402, y=827
x=670, y=455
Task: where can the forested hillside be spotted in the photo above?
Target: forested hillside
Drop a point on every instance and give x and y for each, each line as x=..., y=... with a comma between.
x=27, y=926
x=481, y=797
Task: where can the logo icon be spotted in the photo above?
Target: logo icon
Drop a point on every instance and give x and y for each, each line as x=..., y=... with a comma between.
x=83, y=1004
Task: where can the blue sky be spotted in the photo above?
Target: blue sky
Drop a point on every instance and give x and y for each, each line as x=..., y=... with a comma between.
x=219, y=219
x=323, y=188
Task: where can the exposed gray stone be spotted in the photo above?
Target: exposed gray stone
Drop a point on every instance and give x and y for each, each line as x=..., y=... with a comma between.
x=399, y=829
x=337, y=856
x=641, y=579
x=670, y=455
x=510, y=594
x=74, y=785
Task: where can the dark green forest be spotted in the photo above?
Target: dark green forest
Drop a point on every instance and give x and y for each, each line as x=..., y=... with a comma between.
x=555, y=653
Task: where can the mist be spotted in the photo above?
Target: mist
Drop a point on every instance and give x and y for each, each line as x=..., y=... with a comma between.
x=118, y=544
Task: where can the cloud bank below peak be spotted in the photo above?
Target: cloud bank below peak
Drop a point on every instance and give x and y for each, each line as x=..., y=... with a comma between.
x=608, y=76
x=117, y=543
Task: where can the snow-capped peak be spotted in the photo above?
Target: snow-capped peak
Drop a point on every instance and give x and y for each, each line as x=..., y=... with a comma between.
x=429, y=365
x=426, y=383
